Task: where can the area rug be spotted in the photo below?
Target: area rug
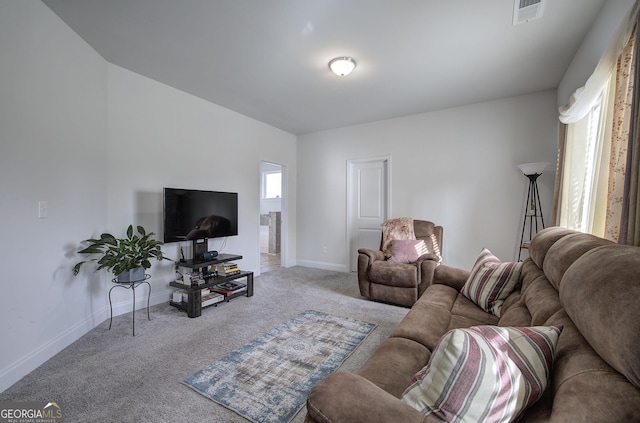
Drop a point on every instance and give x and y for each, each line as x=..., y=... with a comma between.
x=268, y=379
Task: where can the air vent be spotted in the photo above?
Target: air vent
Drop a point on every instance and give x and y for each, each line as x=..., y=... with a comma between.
x=527, y=10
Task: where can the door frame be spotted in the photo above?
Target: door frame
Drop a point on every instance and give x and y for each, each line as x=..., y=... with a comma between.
x=349, y=214
x=284, y=205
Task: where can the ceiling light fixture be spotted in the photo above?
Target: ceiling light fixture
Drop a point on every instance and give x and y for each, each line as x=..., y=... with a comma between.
x=342, y=66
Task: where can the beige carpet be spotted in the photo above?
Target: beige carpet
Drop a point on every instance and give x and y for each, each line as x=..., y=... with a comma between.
x=108, y=375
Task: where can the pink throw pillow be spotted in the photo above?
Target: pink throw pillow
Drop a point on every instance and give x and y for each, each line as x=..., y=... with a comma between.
x=407, y=250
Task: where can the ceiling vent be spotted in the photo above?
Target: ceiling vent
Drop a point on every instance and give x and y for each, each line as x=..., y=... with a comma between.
x=527, y=10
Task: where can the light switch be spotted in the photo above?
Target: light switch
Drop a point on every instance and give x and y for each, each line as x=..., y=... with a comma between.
x=43, y=209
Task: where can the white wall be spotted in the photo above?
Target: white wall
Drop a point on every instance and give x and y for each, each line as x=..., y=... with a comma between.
x=99, y=143
x=162, y=137
x=455, y=167
x=52, y=147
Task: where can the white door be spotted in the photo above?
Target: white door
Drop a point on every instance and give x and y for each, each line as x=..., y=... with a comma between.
x=368, y=205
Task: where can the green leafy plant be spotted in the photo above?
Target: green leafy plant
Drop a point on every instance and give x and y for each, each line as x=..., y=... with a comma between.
x=122, y=254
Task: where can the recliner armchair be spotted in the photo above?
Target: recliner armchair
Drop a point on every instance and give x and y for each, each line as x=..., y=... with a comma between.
x=383, y=279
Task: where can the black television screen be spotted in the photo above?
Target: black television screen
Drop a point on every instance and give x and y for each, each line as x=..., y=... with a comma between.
x=193, y=214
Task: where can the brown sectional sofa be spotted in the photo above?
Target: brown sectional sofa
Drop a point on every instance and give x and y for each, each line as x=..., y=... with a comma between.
x=588, y=285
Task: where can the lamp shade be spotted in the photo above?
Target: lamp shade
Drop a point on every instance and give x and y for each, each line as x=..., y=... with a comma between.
x=533, y=168
x=342, y=66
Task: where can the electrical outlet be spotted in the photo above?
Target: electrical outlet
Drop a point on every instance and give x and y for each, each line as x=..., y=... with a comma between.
x=43, y=209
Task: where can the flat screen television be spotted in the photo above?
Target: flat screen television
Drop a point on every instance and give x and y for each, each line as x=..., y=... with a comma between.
x=193, y=214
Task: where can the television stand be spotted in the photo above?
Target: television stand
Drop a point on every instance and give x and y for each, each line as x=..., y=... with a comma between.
x=193, y=306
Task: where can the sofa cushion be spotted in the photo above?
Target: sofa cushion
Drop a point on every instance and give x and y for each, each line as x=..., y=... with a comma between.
x=393, y=364
x=533, y=303
x=394, y=274
x=347, y=397
x=491, y=281
x=429, y=318
x=402, y=296
x=565, y=251
x=407, y=250
x=543, y=240
x=439, y=310
x=515, y=312
x=604, y=304
x=468, y=310
x=540, y=297
x=485, y=373
x=584, y=387
x=430, y=234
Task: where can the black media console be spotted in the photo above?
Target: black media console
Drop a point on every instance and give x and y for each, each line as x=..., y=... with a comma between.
x=193, y=306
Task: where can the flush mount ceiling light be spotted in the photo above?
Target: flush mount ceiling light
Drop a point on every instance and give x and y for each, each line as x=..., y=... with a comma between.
x=342, y=66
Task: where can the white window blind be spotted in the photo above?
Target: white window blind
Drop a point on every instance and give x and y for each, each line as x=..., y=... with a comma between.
x=585, y=165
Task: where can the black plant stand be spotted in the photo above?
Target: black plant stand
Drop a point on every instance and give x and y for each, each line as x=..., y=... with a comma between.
x=132, y=285
x=533, y=213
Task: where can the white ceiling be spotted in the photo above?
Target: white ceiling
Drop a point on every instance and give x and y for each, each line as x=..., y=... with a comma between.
x=268, y=59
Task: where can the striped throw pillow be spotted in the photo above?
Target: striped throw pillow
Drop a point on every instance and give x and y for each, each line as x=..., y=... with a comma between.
x=491, y=281
x=485, y=373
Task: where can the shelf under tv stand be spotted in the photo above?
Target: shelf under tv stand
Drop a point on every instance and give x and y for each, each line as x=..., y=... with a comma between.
x=193, y=306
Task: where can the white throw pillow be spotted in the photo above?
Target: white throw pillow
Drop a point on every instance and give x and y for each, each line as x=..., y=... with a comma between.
x=491, y=281
x=485, y=373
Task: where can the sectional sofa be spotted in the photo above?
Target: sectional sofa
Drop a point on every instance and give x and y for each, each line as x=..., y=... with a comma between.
x=583, y=295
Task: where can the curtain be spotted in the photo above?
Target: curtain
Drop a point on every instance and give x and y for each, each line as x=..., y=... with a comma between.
x=630, y=221
x=557, y=188
x=583, y=99
x=598, y=172
x=621, y=122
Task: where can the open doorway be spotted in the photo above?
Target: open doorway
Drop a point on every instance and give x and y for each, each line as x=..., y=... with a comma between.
x=271, y=184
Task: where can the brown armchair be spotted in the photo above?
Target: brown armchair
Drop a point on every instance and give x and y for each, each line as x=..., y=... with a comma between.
x=382, y=279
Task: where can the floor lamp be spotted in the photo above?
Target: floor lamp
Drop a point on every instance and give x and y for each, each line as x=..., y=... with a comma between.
x=533, y=207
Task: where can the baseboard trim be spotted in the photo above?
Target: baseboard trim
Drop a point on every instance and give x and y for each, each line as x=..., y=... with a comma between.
x=19, y=369
x=16, y=371
x=323, y=265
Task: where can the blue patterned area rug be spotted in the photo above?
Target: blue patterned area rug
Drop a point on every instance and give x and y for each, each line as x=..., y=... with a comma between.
x=268, y=379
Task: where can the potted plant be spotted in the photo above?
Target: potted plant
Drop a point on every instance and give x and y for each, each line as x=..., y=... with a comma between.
x=127, y=258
